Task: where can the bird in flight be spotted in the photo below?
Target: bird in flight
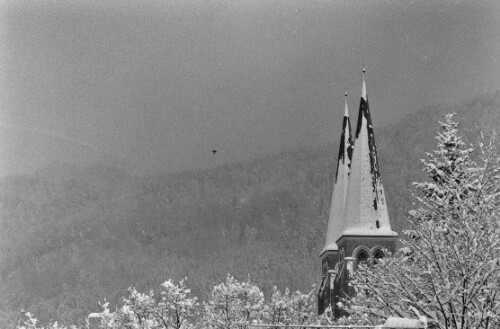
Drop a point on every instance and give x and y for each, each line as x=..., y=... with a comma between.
x=214, y=151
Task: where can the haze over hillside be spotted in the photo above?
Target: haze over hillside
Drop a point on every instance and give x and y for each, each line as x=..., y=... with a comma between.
x=157, y=85
x=72, y=236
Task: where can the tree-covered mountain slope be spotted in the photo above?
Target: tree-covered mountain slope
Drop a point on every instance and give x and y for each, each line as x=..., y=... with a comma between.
x=72, y=236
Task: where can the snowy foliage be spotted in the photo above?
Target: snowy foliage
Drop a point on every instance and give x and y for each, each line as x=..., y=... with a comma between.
x=449, y=270
x=176, y=307
x=30, y=322
x=286, y=308
x=360, y=319
x=449, y=165
x=174, y=310
x=234, y=304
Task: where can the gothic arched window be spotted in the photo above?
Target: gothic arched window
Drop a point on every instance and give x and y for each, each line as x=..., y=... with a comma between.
x=378, y=253
x=361, y=253
x=362, y=256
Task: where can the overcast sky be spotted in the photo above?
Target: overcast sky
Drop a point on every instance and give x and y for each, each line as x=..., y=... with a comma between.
x=157, y=85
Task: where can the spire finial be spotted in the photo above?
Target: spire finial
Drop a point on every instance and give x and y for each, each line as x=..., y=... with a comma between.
x=346, y=111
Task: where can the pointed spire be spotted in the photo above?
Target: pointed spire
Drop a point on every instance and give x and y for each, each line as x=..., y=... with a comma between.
x=340, y=184
x=365, y=210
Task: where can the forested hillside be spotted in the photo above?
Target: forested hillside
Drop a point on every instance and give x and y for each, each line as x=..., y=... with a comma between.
x=70, y=236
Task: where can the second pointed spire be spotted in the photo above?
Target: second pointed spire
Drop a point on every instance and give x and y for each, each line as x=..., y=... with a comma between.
x=336, y=218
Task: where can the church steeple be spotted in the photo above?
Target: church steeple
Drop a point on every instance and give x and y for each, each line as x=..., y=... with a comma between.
x=335, y=219
x=358, y=225
x=366, y=209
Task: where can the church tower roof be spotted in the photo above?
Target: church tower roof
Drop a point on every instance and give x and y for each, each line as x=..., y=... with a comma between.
x=365, y=209
x=335, y=219
x=358, y=225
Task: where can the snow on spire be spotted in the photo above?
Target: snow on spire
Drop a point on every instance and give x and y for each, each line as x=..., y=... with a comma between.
x=365, y=209
x=340, y=185
x=346, y=143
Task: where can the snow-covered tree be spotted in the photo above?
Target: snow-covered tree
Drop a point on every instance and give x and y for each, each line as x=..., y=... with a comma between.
x=234, y=304
x=302, y=308
x=137, y=312
x=449, y=164
x=174, y=310
x=177, y=308
x=286, y=308
x=449, y=270
x=276, y=311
